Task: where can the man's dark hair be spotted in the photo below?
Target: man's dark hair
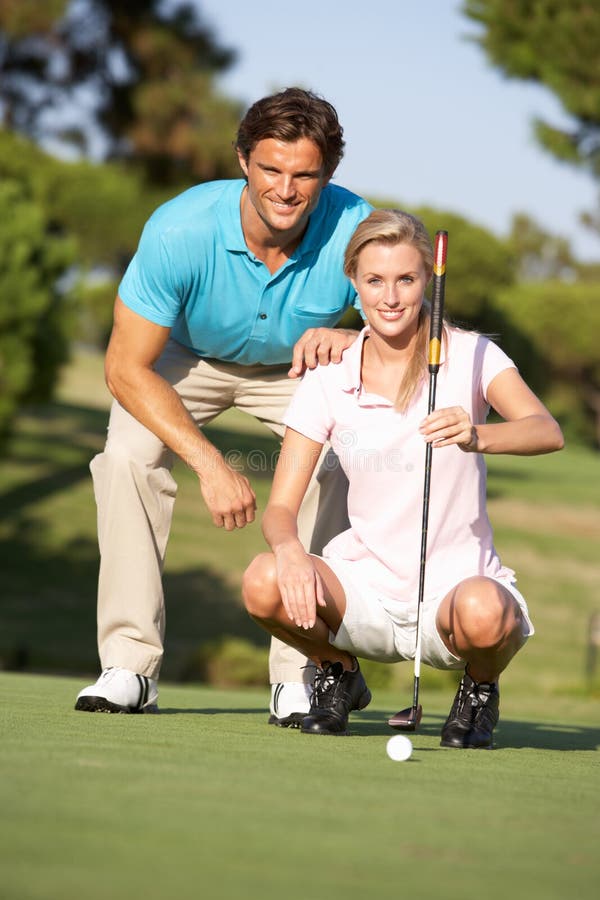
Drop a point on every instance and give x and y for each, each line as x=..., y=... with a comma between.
x=290, y=115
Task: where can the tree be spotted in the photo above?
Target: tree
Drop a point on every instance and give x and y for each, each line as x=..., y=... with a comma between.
x=34, y=323
x=540, y=256
x=101, y=207
x=480, y=268
x=562, y=321
x=555, y=44
x=104, y=205
x=130, y=81
x=479, y=265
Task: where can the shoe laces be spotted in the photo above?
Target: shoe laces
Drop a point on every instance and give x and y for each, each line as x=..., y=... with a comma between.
x=477, y=695
x=328, y=685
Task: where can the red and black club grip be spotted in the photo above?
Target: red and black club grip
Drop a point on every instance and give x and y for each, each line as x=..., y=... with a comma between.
x=437, y=299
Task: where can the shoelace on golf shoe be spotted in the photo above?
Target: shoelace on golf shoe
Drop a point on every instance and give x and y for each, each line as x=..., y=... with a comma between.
x=328, y=688
x=478, y=696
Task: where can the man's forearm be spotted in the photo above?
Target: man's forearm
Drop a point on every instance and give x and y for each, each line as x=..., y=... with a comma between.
x=154, y=403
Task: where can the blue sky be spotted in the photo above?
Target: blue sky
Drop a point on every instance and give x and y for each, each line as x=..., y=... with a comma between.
x=427, y=120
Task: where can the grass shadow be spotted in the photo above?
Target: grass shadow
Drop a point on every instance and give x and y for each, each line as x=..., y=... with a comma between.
x=13, y=500
x=508, y=734
x=211, y=711
x=201, y=608
x=63, y=428
x=48, y=613
x=546, y=736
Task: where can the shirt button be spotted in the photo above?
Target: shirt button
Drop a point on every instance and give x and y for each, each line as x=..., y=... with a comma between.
x=263, y=316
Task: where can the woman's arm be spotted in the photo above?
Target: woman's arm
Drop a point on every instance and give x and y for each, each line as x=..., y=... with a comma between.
x=528, y=428
x=298, y=581
x=294, y=470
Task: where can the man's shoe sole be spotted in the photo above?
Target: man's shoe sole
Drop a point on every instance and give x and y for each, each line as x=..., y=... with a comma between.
x=102, y=705
x=294, y=720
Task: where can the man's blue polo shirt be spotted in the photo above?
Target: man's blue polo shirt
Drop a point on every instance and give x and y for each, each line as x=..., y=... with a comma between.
x=194, y=273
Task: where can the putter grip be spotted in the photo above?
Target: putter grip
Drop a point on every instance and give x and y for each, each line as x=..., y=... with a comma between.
x=437, y=298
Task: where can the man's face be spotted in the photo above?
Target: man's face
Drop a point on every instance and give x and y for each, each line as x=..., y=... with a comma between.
x=285, y=181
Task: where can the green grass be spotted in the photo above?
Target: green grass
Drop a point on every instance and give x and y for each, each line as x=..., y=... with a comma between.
x=546, y=516
x=206, y=800
x=547, y=479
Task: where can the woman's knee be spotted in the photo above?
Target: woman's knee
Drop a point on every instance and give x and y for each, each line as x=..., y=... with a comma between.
x=259, y=586
x=484, y=612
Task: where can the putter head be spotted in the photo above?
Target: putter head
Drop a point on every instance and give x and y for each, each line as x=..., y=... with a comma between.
x=407, y=719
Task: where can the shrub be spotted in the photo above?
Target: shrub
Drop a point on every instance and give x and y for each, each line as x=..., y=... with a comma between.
x=229, y=662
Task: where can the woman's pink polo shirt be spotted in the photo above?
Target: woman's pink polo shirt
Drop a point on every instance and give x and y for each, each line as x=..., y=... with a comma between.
x=383, y=456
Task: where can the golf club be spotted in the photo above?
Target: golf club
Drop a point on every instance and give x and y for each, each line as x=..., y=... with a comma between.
x=408, y=719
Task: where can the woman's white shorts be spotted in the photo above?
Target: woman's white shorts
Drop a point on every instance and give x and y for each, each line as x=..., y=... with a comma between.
x=385, y=631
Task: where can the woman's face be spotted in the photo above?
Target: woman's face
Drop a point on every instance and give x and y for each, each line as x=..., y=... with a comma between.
x=391, y=282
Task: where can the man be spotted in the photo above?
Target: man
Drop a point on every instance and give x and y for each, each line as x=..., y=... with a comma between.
x=214, y=306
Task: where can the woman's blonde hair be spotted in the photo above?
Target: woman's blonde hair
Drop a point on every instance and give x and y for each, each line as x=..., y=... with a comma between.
x=391, y=227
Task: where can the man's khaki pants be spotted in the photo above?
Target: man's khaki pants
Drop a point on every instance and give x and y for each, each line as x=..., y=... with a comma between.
x=135, y=494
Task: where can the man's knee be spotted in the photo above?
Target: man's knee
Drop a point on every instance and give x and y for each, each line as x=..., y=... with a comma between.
x=130, y=441
x=259, y=586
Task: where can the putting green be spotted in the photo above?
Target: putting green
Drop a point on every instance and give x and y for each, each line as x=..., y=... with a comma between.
x=205, y=800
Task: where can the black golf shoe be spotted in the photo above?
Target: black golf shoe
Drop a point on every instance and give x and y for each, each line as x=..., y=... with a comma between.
x=473, y=716
x=336, y=692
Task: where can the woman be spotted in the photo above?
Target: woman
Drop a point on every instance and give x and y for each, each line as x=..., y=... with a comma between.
x=360, y=597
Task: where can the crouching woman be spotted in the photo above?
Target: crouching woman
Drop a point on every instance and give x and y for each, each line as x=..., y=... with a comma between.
x=359, y=599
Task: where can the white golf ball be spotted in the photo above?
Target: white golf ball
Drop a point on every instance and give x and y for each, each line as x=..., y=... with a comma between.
x=399, y=748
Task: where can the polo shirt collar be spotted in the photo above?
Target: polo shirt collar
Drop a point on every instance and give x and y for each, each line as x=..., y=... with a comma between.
x=313, y=236
x=231, y=222
x=351, y=363
x=352, y=358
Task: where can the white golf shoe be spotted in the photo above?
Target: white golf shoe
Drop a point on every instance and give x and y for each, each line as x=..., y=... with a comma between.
x=119, y=691
x=290, y=703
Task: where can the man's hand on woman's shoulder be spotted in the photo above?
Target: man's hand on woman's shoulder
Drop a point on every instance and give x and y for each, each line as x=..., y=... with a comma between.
x=320, y=346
